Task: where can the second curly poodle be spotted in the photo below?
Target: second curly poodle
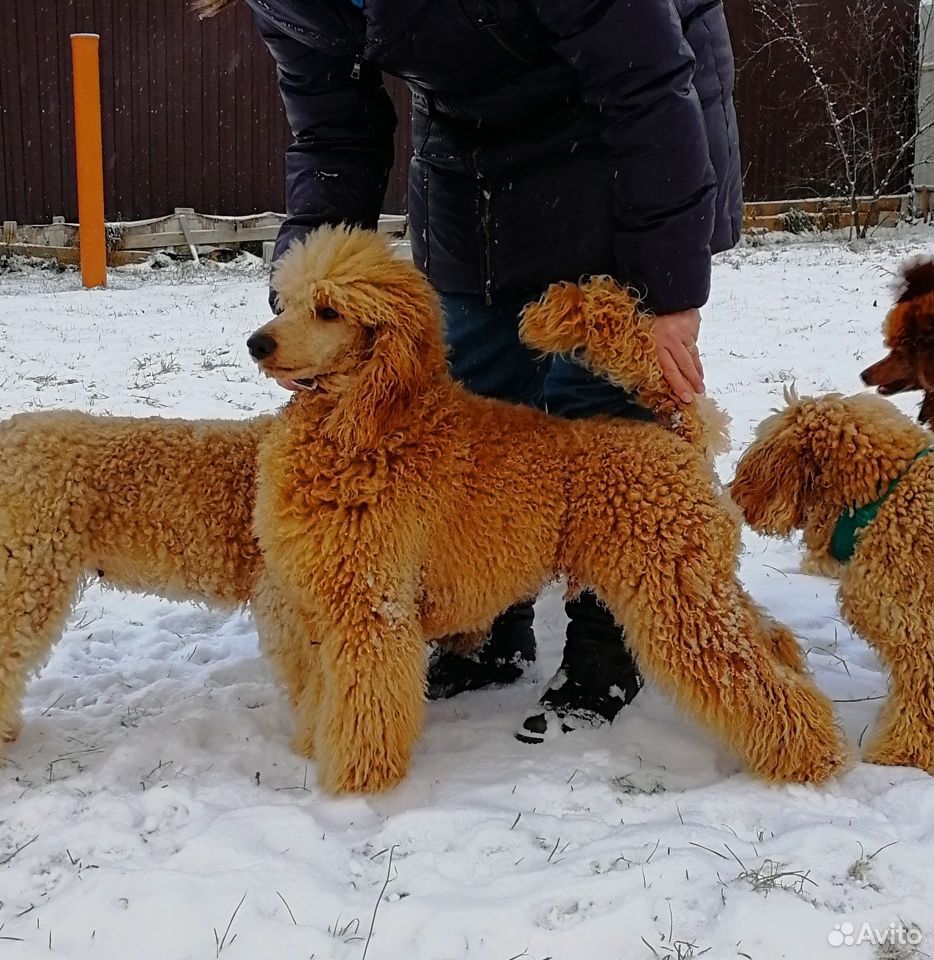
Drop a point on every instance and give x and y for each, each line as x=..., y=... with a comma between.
x=857, y=476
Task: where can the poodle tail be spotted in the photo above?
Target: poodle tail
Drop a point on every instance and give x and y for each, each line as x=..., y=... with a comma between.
x=600, y=323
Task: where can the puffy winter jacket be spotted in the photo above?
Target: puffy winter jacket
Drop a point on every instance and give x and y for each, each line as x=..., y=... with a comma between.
x=552, y=138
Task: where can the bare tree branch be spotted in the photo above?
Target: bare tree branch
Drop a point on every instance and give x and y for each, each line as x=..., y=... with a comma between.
x=863, y=64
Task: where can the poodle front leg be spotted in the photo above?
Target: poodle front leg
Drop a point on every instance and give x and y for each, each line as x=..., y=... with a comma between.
x=901, y=631
x=290, y=643
x=373, y=694
x=905, y=733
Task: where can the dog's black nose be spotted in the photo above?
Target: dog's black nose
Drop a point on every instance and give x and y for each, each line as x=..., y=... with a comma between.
x=261, y=345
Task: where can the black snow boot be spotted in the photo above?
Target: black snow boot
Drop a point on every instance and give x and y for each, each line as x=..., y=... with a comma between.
x=501, y=660
x=597, y=677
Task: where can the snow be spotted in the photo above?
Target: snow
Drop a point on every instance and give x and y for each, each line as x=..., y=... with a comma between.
x=153, y=809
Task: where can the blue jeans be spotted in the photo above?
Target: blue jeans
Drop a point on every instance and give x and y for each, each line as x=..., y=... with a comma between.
x=487, y=356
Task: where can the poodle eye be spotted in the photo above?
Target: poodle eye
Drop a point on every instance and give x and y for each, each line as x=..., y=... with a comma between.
x=327, y=313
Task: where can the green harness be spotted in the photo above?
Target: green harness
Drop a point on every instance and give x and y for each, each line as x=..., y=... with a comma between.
x=852, y=520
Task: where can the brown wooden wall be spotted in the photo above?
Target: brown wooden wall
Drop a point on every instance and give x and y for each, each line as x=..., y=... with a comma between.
x=192, y=116
x=191, y=113
x=782, y=127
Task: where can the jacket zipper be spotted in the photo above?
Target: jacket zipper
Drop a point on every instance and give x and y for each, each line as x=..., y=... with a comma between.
x=487, y=241
x=504, y=43
x=486, y=216
x=479, y=16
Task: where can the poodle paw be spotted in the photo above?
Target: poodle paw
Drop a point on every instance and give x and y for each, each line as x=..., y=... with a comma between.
x=10, y=730
x=351, y=762
x=890, y=754
x=364, y=774
x=816, y=767
x=800, y=744
x=831, y=762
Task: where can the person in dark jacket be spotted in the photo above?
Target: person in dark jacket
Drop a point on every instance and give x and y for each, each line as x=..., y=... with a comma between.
x=552, y=139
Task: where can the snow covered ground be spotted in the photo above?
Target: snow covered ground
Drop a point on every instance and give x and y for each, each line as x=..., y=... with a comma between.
x=153, y=809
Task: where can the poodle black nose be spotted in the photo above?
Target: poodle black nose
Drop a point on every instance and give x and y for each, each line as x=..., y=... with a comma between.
x=261, y=345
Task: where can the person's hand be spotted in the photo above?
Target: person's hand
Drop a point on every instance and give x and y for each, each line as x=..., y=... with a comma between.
x=676, y=346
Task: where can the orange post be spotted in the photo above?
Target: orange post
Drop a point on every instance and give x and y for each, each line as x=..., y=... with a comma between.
x=89, y=150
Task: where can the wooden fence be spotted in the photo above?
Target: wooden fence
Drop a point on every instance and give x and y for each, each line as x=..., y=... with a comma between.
x=192, y=116
x=783, y=129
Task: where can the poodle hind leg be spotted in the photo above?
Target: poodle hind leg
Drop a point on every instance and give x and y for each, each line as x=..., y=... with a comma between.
x=38, y=586
x=719, y=660
x=697, y=634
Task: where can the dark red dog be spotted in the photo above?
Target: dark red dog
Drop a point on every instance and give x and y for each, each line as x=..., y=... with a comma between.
x=909, y=335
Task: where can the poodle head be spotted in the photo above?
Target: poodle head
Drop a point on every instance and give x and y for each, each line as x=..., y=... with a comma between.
x=821, y=452
x=773, y=477
x=356, y=322
x=909, y=335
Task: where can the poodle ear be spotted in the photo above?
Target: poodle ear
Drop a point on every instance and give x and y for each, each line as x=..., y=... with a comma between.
x=772, y=480
x=379, y=392
x=555, y=323
x=405, y=355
